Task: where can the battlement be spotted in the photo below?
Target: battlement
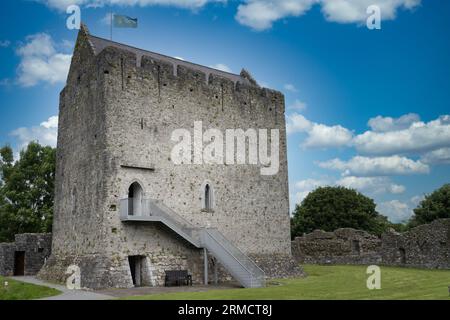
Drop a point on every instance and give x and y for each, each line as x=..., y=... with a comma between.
x=170, y=68
x=99, y=44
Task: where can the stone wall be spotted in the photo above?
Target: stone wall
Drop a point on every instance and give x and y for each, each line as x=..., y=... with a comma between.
x=7, y=259
x=36, y=246
x=426, y=246
x=343, y=246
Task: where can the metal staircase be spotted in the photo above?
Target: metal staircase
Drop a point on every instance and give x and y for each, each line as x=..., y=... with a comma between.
x=241, y=267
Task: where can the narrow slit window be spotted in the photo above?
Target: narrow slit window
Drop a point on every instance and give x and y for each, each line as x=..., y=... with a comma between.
x=207, y=197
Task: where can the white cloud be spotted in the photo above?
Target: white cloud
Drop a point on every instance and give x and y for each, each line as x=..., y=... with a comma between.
x=46, y=133
x=4, y=43
x=398, y=211
x=379, y=166
x=68, y=44
x=366, y=185
x=416, y=200
x=383, y=151
x=188, y=4
x=439, y=156
x=323, y=136
x=319, y=135
x=297, y=123
x=106, y=20
x=385, y=124
x=290, y=87
x=419, y=137
x=301, y=195
x=298, y=106
x=222, y=67
x=52, y=122
x=354, y=11
x=310, y=184
x=395, y=210
x=396, y=188
x=371, y=185
x=61, y=4
x=261, y=14
x=40, y=62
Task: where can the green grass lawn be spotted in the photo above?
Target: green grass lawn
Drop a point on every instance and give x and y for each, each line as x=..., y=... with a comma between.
x=17, y=290
x=335, y=282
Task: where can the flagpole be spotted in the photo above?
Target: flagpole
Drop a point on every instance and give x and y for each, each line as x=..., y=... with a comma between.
x=111, y=26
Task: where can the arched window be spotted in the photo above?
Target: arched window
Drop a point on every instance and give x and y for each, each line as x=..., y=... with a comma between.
x=207, y=196
x=135, y=195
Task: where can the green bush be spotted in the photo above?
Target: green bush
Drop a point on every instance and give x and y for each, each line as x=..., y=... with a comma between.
x=330, y=208
x=435, y=206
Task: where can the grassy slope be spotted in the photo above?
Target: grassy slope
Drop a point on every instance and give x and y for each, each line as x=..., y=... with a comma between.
x=337, y=282
x=18, y=290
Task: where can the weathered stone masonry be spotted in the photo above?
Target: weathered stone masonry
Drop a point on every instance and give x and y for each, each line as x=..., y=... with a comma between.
x=26, y=255
x=117, y=112
x=426, y=246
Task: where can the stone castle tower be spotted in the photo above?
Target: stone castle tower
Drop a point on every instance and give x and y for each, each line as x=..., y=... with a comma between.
x=124, y=212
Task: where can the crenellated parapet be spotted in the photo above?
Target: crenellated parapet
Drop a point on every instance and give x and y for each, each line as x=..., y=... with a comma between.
x=131, y=66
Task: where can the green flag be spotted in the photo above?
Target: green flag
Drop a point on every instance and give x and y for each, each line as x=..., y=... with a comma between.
x=124, y=22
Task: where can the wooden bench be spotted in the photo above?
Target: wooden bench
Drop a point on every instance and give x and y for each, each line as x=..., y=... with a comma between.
x=177, y=278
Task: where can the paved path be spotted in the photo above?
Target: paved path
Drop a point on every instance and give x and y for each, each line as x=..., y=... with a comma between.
x=117, y=293
x=66, y=293
x=139, y=291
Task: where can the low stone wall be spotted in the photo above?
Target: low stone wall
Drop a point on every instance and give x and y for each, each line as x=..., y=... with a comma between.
x=278, y=266
x=426, y=246
x=36, y=248
x=7, y=259
x=343, y=246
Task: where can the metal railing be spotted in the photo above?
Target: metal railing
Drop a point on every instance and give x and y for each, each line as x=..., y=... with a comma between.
x=152, y=210
x=240, y=266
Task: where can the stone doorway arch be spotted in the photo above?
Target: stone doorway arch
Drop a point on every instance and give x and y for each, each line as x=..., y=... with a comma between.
x=135, y=198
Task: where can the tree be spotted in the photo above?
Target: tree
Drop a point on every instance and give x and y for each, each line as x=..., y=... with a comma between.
x=435, y=206
x=330, y=208
x=26, y=190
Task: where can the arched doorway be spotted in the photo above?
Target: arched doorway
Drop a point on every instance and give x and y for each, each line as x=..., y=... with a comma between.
x=135, y=197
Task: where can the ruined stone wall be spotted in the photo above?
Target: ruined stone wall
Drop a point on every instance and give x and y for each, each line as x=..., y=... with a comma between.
x=426, y=246
x=37, y=248
x=343, y=246
x=117, y=114
x=7, y=259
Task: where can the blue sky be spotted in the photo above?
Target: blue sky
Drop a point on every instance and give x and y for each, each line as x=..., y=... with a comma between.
x=365, y=108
